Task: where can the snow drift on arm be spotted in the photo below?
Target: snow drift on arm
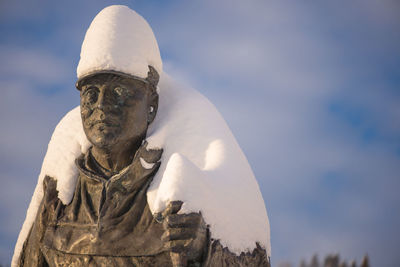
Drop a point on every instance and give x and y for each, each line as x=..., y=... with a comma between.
x=202, y=165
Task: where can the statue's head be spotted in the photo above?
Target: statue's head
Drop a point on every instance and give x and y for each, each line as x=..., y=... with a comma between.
x=117, y=108
x=118, y=73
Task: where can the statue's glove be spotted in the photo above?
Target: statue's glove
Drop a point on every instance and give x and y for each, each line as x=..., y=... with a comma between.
x=185, y=234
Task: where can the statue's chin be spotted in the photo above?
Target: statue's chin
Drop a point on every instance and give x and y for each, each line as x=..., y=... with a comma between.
x=103, y=140
x=111, y=138
x=102, y=136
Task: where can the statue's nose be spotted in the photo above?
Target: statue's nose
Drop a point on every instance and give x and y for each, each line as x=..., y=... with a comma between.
x=101, y=100
x=99, y=114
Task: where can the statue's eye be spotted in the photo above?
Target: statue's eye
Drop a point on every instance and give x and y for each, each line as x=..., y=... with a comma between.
x=120, y=91
x=90, y=94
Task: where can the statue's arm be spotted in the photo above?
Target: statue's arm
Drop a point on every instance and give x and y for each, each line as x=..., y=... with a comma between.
x=31, y=254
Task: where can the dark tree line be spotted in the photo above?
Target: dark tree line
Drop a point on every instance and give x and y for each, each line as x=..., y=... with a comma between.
x=334, y=261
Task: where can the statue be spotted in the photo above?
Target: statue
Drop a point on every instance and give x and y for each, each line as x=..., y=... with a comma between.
x=108, y=220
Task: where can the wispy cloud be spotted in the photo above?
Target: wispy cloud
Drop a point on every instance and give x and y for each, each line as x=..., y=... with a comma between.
x=33, y=65
x=310, y=90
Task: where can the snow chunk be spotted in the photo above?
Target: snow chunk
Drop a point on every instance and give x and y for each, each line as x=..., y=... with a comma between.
x=119, y=39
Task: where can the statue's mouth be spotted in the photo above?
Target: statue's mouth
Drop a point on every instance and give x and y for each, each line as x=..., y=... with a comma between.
x=104, y=123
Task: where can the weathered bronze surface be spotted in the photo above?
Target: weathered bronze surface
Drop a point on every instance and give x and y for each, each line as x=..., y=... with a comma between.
x=108, y=222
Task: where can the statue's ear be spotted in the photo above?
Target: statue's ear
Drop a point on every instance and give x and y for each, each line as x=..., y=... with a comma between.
x=152, y=107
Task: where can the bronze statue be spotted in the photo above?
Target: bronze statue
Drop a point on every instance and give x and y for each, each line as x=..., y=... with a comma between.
x=109, y=222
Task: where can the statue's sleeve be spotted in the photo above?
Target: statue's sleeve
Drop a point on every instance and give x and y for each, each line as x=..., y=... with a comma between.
x=221, y=256
x=31, y=254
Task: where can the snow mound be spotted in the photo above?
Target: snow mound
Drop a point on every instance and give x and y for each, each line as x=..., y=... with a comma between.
x=109, y=43
x=202, y=165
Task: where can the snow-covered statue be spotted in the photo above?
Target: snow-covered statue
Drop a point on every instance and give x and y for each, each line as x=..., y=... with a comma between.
x=145, y=172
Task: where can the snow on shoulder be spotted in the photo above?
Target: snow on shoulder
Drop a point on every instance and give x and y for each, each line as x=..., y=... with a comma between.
x=203, y=166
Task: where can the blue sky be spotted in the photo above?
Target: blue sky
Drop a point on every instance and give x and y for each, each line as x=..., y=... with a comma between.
x=311, y=90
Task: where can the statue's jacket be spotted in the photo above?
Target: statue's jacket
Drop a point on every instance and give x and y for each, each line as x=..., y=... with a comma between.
x=109, y=223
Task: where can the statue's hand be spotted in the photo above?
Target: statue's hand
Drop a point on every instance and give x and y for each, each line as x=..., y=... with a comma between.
x=185, y=234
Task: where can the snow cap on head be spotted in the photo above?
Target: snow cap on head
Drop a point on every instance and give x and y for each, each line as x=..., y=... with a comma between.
x=119, y=39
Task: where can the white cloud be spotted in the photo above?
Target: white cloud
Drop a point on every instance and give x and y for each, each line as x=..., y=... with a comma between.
x=32, y=64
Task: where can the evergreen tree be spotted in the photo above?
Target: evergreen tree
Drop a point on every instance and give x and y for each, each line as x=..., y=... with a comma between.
x=303, y=263
x=314, y=261
x=353, y=263
x=365, y=261
x=332, y=261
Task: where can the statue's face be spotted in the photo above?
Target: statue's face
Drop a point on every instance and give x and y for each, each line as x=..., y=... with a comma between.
x=115, y=109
